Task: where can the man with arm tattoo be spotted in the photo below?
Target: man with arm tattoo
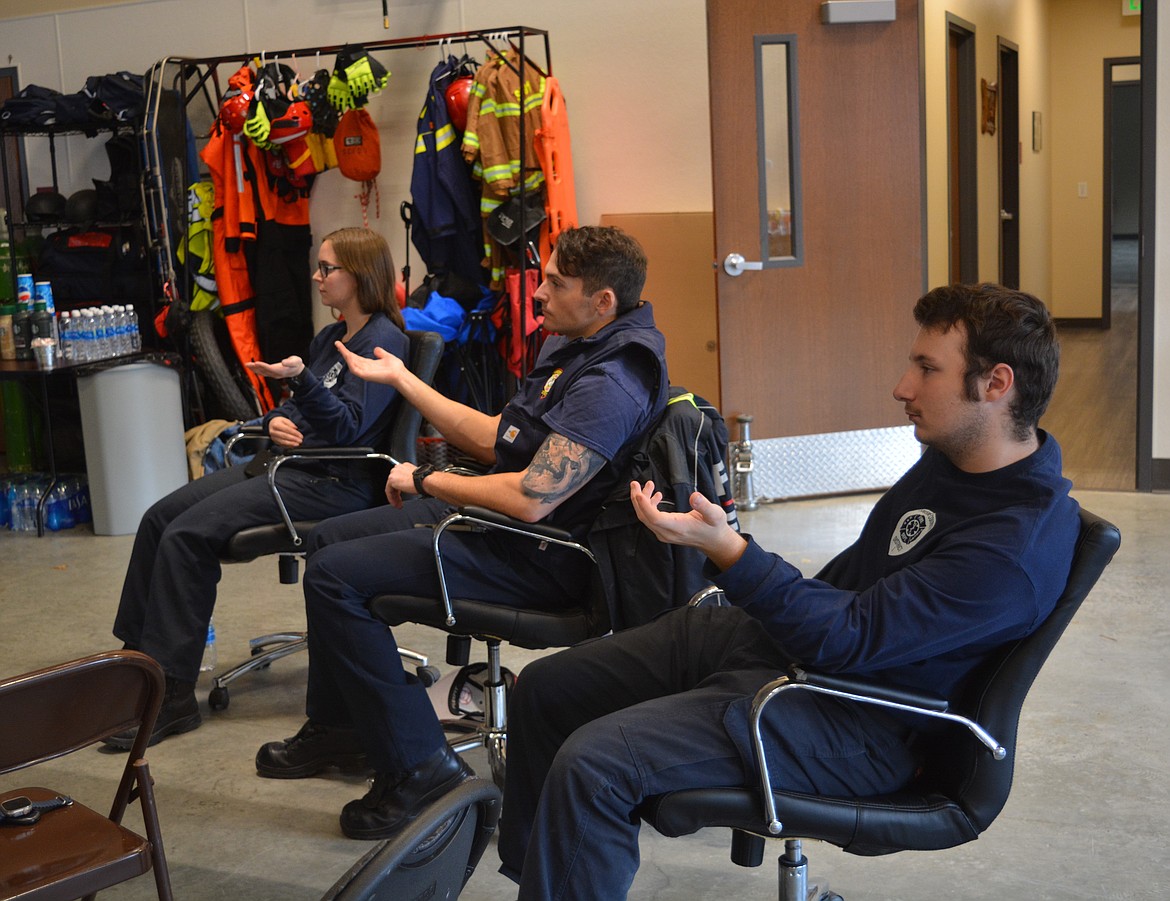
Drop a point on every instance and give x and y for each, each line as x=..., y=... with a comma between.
x=558, y=449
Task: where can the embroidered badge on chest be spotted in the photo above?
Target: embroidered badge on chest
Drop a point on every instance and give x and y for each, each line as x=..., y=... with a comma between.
x=510, y=433
x=911, y=529
x=331, y=376
x=548, y=385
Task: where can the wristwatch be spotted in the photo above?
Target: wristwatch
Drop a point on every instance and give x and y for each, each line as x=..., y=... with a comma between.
x=296, y=382
x=420, y=473
x=20, y=811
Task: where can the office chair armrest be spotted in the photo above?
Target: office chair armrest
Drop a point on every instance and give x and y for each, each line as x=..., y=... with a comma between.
x=315, y=454
x=859, y=688
x=711, y=596
x=850, y=688
x=488, y=520
x=492, y=519
x=246, y=433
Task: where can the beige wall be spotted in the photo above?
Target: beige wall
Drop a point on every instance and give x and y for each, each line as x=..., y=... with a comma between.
x=1024, y=23
x=634, y=77
x=1084, y=32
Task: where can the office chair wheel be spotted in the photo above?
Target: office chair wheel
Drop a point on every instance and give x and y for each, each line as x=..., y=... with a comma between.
x=428, y=675
x=218, y=699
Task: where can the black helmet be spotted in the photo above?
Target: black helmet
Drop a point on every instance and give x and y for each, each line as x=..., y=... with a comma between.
x=45, y=206
x=82, y=206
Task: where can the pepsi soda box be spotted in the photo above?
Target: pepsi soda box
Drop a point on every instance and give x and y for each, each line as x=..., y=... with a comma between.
x=44, y=291
x=25, y=289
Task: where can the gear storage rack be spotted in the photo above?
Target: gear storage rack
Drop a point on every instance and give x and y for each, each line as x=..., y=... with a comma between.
x=194, y=82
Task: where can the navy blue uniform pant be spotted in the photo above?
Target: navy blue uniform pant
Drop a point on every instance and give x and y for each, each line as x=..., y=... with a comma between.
x=596, y=729
x=169, y=591
x=356, y=677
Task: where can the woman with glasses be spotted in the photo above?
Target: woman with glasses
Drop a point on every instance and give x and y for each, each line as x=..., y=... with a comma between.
x=170, y=586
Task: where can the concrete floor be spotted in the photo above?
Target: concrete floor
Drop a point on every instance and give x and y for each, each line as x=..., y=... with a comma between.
x=1089, y=816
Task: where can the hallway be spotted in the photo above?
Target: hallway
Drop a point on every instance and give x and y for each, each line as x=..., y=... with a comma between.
x=1094, y=409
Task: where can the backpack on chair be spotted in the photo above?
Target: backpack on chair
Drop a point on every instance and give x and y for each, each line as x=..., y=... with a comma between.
x=683, y=452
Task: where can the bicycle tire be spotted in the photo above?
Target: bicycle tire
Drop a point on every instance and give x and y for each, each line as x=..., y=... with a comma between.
x=215, y=370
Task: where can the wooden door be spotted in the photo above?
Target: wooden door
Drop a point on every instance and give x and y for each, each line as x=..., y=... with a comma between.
x=815, y=344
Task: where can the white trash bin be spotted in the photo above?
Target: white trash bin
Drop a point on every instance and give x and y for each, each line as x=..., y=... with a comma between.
x=132, y=427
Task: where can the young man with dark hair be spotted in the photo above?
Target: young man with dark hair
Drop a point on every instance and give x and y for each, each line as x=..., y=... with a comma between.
x=970, y=549
x=559, y=448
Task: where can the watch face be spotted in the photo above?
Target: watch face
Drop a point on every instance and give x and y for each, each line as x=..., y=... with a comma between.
x=16, y=807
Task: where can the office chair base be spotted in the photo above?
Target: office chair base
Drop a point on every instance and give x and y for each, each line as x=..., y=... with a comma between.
x=265, y=650
x=493, y=741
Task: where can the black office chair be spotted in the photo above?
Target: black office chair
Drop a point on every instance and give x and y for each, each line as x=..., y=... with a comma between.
x=965, y=781
x=684, y=456
x=434, y=856
x=464, y=619
x=287, y=538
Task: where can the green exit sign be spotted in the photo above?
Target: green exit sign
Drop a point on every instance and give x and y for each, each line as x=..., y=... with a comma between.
x=1131, y=7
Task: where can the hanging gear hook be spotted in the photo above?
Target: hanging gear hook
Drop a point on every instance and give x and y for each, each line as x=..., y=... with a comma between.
x=406, y=211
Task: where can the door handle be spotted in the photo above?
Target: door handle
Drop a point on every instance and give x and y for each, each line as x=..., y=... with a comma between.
x=735, y=264
x=1005, y=216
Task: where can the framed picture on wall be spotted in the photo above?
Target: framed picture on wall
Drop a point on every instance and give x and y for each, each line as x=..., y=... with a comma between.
x=990, y=94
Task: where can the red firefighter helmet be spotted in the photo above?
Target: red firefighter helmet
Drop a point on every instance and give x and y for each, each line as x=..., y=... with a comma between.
x=295, y=123
x=233, y=111
x=457, y=94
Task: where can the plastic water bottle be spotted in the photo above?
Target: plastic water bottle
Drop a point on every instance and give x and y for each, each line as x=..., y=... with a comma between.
x=81, y=326
x=114, y=330
x=132, y=327
x=65, y=335
x=106, y=319
x=122, y=329
x=208, y=663
x=23, y=510
x=58, y=516
x=78, y=498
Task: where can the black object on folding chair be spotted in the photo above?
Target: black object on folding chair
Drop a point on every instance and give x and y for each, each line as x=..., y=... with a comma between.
x=966, y=778
x=52, y=847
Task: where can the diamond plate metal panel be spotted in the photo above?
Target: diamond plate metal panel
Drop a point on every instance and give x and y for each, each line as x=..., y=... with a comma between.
x=832, y=463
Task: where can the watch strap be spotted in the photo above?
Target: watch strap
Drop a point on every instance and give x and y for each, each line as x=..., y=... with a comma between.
x=420, y=474
x=33, y=810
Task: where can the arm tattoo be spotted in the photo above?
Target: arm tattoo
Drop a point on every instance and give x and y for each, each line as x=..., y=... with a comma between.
x=559, y=468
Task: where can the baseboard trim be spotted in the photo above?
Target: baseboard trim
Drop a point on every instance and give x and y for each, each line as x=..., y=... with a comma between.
x=1160, y=475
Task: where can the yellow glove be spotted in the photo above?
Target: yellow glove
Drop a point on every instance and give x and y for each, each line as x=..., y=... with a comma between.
x=365, y=76
x=258, y=127
x=338, y=93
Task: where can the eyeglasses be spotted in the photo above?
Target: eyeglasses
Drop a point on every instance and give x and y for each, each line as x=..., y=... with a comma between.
x=325, y=268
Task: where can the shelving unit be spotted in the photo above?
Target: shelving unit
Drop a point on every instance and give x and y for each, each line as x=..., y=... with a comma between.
x=22, y=225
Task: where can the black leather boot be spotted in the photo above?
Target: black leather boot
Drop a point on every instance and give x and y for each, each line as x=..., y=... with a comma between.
x=179, y=713
x=311, y=750
x=397, y=798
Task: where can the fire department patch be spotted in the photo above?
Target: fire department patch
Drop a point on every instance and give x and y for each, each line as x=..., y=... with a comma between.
x=331, y=376
x=548, y=385
x=911, y=529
